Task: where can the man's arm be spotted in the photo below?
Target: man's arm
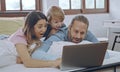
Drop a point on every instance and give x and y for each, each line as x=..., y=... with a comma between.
x=90, y=37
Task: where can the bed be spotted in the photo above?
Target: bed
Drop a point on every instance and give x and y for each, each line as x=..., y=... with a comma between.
x=8, y=59
x=21, y=68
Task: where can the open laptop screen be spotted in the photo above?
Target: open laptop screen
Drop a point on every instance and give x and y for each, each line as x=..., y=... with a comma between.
x=84, y=55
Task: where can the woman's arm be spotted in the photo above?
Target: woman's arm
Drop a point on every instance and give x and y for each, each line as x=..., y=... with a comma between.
x=18, y=60
x=29, y=62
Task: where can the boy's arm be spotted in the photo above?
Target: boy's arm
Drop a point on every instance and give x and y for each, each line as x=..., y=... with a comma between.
x=46, y=44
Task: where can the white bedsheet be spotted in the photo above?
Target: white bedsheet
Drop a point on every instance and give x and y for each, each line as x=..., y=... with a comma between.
x=9, y=65
x=7, y=53
x=114, y=57
x=21, y=68
x=8, y=57
x=57, y=47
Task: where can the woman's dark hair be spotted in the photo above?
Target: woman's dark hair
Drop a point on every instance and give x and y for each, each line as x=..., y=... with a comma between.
x=31, y=19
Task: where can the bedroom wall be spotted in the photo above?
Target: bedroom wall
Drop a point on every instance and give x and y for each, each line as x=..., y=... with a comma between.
x=115, y=15
x=115, y=9
x=95, y=20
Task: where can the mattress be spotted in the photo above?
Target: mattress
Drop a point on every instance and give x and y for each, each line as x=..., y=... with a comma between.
x=8, y=59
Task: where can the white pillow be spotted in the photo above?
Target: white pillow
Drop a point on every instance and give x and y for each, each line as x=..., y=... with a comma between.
x=7, y=53
x=57, y=47
x=7, y=60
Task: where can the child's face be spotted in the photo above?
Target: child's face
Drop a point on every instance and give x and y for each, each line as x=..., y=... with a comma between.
x=40, y=28
x=56, y=23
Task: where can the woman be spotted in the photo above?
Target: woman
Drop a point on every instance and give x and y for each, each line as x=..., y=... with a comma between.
x=27, y=39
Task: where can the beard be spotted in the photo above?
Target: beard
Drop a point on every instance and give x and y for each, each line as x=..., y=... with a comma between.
x=73, y=39
x=76, y=40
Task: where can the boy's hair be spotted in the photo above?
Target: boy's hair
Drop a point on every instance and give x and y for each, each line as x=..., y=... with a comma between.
x=81, y=19
x=28, y=29
x=55, y=12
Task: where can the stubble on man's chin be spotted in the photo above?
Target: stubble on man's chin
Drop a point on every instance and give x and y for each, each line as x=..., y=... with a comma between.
x=77, y=41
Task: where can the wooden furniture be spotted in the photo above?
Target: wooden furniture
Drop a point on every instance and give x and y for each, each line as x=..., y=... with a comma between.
x=113, y=24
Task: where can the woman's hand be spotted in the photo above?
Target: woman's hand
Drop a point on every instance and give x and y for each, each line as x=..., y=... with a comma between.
x=18, y=60
x=57, y=63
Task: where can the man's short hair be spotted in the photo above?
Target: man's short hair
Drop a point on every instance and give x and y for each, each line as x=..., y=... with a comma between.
x=80, y=18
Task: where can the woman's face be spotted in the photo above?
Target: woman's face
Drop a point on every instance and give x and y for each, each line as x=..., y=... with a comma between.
x=56, y=23
x=40, y=28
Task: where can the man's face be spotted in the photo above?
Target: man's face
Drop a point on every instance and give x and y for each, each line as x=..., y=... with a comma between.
x=77, y=31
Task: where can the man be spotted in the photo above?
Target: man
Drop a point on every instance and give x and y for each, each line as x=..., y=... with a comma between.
x=76, y=32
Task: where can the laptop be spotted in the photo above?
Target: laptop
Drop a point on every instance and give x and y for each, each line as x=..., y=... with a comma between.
x=82, y=56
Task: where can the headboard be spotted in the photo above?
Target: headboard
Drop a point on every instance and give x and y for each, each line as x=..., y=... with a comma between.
x=10, y=25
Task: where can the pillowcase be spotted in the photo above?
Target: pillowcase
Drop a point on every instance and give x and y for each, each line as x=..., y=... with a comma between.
x=7, y=53
x=57, y=47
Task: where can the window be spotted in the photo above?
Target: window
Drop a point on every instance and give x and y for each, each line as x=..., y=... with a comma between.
x=84, y=6
x=18, y=7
